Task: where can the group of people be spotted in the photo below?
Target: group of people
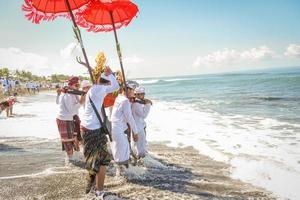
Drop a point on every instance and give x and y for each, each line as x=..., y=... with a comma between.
x=128, y=113
x=7, y=85
x=9, y=89
x=33, y=87
x=11, y=86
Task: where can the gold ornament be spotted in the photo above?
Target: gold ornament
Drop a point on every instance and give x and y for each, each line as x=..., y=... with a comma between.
x=100, y=65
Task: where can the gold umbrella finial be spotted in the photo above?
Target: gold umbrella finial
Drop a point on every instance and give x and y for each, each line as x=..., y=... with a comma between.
x=100, y=65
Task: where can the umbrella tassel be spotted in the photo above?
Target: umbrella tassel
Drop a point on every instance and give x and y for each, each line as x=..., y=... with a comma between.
x=119, y=50
x=78, y=35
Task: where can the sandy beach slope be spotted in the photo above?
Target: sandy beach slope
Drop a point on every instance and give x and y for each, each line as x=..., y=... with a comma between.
x=32, y=168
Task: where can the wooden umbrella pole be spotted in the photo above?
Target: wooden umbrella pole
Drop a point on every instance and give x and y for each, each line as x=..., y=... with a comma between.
x=118, y=50
x=78, y=35
x=123, y=74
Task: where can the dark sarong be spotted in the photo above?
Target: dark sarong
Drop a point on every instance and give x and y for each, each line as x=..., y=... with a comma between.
x=77, y=121
x=66, y=131
x=95, y=150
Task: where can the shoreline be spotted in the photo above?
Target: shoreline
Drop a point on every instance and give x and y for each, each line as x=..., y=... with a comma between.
x=37, y=171
x=24, y=93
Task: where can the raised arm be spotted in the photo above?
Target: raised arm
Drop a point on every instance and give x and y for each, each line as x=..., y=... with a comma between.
x=141, y=110
x=114, y=85
x=58, y=91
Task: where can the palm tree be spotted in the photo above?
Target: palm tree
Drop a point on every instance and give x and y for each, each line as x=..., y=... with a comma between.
x=4, y=72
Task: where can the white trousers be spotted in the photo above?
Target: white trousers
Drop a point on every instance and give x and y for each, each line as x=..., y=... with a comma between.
x=120, y=145
x=139, y=147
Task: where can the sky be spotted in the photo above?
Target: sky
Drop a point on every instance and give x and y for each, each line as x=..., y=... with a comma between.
x=167, y=38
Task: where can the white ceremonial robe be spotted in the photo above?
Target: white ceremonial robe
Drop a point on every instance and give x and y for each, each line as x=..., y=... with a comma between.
x=68, y=106
x=140, y=112
x=97, y=93
x=121, y=115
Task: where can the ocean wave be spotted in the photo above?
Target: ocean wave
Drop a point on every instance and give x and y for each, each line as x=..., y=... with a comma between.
x=168, y=80
x=270, y=98
x=154, y=81
x=145, y=82
x=244, y=74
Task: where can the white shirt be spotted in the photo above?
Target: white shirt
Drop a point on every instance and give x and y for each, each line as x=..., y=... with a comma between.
x=140, y=112
x=68, y=106
x=97, y=93
x=12, y=83
x=122, y=114
x=57, y=102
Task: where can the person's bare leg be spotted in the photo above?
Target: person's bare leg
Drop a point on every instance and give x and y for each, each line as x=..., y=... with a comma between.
x=7, y=112
x=70, y=153
x=69, y=157
x=11, y=110
x=100, y=177
x=76, y=144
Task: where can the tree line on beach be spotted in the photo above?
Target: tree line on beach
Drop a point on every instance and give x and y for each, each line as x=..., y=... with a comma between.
x=25, y=76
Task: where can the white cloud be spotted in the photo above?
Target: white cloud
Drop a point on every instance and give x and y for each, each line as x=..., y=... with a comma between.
x=260, y=53
x=231, y=56
x=15, y=58
x=71, y=50
x=293, y=50
x=130, y=63
x=134, y=59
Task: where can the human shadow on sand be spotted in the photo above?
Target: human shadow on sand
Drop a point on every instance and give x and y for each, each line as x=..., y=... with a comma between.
x=78, y=163
x=173, y=178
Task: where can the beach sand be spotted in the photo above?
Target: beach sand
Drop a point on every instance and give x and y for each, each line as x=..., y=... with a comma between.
x=32, y=168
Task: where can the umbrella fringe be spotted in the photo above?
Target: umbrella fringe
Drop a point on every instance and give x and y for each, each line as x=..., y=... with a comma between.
x=99, y=28
x=36, y=16
x=92, y=27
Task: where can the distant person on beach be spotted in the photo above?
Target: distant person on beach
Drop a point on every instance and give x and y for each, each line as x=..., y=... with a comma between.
x=11, y=101
x=95, y=140
x=3, y=106
x=68, y=107
x=7, y=105
x=5, y=89
x=37, y=87
x=120, y=117
x=28, y=87
x=1, y=88
x=140, y=110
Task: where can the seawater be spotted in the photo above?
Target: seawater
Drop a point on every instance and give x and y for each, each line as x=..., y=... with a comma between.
x=250, y=120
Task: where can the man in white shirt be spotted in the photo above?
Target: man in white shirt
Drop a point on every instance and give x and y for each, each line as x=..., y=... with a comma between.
x=120, y=117
x=95, y=141
x=68, y=107
x=140, y=110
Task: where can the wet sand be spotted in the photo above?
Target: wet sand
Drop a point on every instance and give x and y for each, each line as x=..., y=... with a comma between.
x=33, y=168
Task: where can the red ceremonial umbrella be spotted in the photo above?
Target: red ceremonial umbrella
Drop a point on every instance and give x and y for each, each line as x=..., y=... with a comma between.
x=108, y=15
x=47, y=10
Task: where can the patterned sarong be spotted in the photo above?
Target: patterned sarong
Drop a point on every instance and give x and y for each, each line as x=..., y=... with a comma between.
x=95, y=150
x=66, y=131
x=77, y=121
